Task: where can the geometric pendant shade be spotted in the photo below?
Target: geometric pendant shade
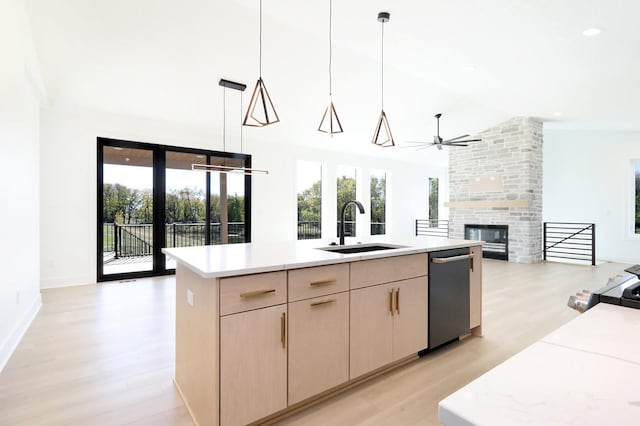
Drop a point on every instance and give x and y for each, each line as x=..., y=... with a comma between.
x=382, y=136
x=330, y=122
x=260, y=112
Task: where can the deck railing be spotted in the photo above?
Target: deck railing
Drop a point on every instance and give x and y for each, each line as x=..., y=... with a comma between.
x=309, y=229
x=432, y=228
x=137, y=240
x=566, y=240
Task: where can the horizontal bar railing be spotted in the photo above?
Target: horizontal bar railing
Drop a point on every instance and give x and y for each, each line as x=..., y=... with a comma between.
x=432, y=228
x=571, y=241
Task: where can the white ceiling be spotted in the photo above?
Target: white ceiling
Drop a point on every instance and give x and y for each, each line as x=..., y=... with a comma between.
x=163, y=59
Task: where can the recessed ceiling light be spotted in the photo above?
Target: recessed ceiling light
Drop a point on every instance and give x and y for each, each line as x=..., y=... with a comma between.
x=590, y=32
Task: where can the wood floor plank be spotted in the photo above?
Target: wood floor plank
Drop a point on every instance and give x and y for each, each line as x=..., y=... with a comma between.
x=104, y=354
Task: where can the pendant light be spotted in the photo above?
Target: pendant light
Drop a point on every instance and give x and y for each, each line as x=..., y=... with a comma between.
x=382, y=137
x=261, y=111
x=221, y=168
x=330, y=122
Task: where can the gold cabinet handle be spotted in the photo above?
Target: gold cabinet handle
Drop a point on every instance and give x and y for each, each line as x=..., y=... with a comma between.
x=326, y=282
x=322, y=302
x=249, y=294
x=471, y=263
x=391, y=301
x=398, y=301
x=283, y=330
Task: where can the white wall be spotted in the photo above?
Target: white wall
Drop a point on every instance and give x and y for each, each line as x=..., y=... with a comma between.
x=68, y=202
x=588, y=178
x=19, y=179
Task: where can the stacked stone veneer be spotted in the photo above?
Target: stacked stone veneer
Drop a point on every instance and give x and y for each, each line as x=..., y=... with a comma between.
x=512, y=151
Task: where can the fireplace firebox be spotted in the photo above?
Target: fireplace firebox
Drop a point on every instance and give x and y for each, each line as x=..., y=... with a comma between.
x=495, y=237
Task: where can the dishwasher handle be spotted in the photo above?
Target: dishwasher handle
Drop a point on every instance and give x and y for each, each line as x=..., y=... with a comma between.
x=452, y=258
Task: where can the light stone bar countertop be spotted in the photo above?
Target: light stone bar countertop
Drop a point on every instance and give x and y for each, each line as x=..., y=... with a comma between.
x=587, y=372
x=250, y=258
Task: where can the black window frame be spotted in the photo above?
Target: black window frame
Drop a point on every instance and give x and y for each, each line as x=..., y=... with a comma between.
x=159, y=197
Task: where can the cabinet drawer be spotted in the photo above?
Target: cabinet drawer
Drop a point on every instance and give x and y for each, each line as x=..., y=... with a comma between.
x=388, y=269
x=318, y=281
x=246, y=292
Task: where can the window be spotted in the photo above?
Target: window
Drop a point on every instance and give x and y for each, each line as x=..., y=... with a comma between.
x=309, y=190
x=149, y=198
x=378, y=202
x=433, y=199
x=346, y=191
x=637, y=196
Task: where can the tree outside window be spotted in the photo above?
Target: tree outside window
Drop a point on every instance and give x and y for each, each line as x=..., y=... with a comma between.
x=309, y=200
x=637, y=196
x=433, y=199
x=378, y=188
x=346, y=191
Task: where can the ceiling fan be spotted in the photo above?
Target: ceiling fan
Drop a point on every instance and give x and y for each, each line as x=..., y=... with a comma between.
x=439, y=142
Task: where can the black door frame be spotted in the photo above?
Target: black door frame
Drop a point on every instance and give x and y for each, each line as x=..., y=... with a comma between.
x=159, y=197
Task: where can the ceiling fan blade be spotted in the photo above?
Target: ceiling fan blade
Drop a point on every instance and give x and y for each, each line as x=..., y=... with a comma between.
x=454, y=144
x=455, y=139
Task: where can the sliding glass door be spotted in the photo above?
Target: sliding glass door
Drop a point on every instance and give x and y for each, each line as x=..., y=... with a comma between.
x=150, y=198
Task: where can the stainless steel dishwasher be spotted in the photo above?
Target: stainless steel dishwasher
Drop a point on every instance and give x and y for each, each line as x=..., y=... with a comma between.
x=448, y=295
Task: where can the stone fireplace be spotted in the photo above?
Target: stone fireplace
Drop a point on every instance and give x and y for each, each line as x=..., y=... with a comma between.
x=499, y=182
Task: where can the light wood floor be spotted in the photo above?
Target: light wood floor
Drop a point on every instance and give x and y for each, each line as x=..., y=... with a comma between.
x=104, y=355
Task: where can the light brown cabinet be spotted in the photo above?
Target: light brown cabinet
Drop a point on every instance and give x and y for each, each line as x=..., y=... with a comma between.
x=475, y=288
x=253, y=364
x=318, y=345
x=388, y=323
x=253, y=345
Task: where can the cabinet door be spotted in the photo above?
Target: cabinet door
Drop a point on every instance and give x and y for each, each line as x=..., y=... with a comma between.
x=253, y=365
x=410, y=317
x=475, y=288
x=371, y=329
x=318, y=345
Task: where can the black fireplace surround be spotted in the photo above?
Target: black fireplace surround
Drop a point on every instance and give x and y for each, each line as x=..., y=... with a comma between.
x=495, y=237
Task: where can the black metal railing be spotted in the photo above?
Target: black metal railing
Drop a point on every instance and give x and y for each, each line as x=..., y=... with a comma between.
x=349, y=228
x=566, y=240
x=132, y=240
x=432, y=228
x=137, y=240
x=309, y=229
x=378, y=228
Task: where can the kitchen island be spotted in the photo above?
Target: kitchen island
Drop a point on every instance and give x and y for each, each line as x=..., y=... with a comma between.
x=263, y=329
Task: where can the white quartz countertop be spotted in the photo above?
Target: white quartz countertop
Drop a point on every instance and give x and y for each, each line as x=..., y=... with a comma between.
x=235, y=259
x=587, y=372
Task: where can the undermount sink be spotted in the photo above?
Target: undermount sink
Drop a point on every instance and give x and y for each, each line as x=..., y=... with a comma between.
x=359, y=248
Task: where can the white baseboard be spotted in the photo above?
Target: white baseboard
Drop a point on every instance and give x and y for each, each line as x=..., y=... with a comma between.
x=11, y=342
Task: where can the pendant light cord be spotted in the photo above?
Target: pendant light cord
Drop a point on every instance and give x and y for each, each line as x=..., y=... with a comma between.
x=330, y=44
x=382, y=68
x=241, y=126
x=260, y=73
x=224, y=120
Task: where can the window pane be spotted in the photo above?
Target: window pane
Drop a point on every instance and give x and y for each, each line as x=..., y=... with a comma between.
x=346, y=191
x=185, y=220
x=309, y=189
x=127, y=214
x=433, y=198
x=378, y=202
x=638, y=197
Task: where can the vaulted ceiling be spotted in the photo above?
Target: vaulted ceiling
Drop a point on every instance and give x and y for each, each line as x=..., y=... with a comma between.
x=478, y=62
